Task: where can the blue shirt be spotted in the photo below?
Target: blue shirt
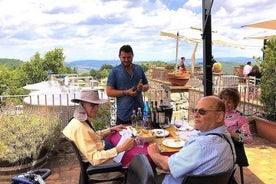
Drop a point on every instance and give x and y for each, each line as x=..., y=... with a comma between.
x=121, y=80
x=203, y=154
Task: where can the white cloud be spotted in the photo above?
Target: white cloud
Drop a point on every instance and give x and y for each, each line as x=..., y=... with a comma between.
x=96, y=29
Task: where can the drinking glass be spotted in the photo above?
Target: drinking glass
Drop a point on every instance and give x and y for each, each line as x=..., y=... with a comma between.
x=140, y=141
x=177, y=124
x=165, y=121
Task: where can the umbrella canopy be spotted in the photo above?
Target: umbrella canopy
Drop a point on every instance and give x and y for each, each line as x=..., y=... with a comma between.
x=265, y=37
x=270, y=24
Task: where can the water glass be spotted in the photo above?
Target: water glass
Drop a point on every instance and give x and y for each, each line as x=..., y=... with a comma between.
x=140, y=141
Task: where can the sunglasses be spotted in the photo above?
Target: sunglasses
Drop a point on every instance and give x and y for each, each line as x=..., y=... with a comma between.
x=202, y=111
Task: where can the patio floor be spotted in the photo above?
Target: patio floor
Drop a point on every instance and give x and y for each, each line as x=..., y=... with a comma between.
x=261, y=155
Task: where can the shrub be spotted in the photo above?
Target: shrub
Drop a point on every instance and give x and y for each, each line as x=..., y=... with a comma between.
x=103, y=118
x=24, y=136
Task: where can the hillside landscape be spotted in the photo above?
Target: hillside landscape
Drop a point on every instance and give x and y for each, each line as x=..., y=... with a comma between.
x=228, y=64
x=82, y=66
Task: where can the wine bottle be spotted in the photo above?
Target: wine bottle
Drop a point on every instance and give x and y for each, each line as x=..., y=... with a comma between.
x=153, y=114
x=133, y=118
x=156, y=114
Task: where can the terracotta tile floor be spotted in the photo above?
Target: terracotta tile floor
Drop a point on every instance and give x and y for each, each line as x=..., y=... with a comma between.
x=261, y=155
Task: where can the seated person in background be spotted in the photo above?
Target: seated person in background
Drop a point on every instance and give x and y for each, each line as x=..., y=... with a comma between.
x=181, y=67
x=246, y=69
x=204, y=154
x=255, y=72
x=235, y=122
x=217, y=67
x=95, y=150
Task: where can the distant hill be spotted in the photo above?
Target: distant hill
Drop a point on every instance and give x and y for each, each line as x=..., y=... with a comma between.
x=228, y=63
x=13, y=63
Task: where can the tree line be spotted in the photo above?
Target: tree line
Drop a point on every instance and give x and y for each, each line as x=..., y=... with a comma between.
x=15, y=74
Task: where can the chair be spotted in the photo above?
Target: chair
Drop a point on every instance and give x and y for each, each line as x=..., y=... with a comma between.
x=140, y=171
x=221, y=178
x=89, y=170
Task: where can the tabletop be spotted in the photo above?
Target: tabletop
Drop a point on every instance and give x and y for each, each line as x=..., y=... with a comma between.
x=165, y=150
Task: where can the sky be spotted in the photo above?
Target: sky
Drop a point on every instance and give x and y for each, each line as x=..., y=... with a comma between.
x=96, y=29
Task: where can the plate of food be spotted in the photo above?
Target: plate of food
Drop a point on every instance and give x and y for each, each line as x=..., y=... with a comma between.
x=186, y=128
x=160, y=132
x=145, y=134
x=173, y=143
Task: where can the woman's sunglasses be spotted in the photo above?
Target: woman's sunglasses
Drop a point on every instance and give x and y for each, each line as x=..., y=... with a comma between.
x=202, y=111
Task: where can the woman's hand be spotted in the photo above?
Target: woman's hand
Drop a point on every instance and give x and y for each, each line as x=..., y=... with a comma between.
x=127, y=145
x=118, y=128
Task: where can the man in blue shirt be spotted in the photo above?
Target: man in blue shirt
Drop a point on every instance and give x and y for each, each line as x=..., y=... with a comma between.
x=126, y=82
x=208, y=153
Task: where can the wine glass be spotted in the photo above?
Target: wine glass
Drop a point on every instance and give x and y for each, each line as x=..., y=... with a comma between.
x=177, y=125
x=164, y=123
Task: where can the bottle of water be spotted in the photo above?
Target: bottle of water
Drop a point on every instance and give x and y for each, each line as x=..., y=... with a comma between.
x=147, y=116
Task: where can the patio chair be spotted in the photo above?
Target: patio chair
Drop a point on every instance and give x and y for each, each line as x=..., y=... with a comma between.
x=222, y=178
x=140, y=170
x=88, y=170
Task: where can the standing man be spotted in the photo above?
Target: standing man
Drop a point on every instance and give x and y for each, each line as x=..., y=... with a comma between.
x=126, y=82
x=211, y=152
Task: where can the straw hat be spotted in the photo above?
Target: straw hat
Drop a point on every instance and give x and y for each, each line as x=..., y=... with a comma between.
x=89, y=95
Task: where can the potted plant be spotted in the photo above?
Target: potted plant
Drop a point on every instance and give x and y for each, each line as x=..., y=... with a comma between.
x=268, y=94
x=25, y=140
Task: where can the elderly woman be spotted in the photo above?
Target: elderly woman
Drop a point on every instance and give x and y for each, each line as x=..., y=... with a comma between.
x=235, y=122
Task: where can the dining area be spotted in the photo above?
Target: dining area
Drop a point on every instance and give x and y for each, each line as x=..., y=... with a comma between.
x=170, y=139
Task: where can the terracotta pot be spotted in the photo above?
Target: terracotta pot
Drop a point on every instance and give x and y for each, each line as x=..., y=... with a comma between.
x=266, y=129
x=179, y=79
x=7, y=172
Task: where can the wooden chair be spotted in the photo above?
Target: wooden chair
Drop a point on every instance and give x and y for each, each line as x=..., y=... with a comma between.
x=140, y=171
x=221, y=178
x=89, y=170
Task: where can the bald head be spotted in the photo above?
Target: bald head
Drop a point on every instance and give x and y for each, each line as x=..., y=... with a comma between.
x=209, y=113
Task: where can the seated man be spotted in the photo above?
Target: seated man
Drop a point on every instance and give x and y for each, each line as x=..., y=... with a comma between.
x=207, y=153
x=95, y=150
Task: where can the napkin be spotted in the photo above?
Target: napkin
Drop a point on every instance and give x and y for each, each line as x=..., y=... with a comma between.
x=125, y=134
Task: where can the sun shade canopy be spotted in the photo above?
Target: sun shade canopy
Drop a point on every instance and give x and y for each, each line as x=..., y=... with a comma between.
x=270, y=24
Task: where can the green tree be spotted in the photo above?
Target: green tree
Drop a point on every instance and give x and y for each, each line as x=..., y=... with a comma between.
x=33, y=71
x=54, y=61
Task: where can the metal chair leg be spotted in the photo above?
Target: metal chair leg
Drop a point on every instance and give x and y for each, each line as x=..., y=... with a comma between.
x=241, y=173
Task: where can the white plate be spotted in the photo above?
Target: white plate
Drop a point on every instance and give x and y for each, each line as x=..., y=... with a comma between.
x=160, y=132
x=173, y=143
x=186, y=128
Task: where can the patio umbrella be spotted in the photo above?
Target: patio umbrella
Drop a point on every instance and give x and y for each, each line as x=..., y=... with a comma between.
x=178, y=38
x=270, y=24
x=193, y=37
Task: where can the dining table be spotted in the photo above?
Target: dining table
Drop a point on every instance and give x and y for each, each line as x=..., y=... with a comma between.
x=125, y=157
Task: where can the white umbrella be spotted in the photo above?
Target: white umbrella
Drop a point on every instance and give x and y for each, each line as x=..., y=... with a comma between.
x=178, y=38
x=193, y=37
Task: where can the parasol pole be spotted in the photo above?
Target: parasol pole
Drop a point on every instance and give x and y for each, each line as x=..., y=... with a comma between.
x=193, y=59
x=176, y=51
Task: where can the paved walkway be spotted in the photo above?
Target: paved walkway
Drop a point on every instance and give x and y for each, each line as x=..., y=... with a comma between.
x=261, y=155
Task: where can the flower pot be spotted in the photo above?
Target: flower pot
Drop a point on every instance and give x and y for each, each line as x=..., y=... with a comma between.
x=178, y=78
x=266, y=129
x=8, y=171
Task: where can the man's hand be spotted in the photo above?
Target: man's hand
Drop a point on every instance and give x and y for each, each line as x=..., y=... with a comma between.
x=140, y=85
x=153, y=148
